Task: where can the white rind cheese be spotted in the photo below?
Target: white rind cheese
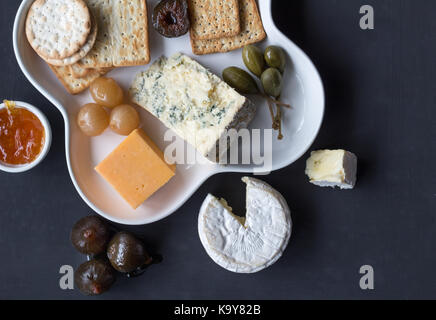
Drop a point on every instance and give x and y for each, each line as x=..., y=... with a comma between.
x=250, y=244
x=193, y=102
x=332, y=168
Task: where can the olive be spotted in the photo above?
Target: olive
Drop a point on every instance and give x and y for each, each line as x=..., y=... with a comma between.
x=94, y=277
x=275, y=57
x=126, y=253
x=90, y=235
x=272, y=82
x=170, y=18
x=240, y=80
x=253, y=59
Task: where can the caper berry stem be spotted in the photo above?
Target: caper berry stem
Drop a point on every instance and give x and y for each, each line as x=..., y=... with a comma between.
x=279, y=122
x=271, y=111
x=279, y=103
x=275, y=126
x=277, y=118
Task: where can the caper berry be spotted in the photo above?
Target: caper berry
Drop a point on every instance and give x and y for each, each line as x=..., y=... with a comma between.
x=253, y=59
x=272, y=82
x=275, y=57
x=240, y=80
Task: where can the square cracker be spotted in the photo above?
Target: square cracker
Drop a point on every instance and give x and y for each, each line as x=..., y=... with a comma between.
x=252, y=31
x=122, y=38
x=211, y=19
x=76, y=85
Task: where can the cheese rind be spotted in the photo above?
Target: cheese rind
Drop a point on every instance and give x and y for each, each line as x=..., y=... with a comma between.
x=196, y=104
x=250, y=244
x=332, y=168
x=136, y=169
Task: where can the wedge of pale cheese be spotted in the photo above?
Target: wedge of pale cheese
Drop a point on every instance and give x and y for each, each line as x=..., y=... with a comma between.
x=196, y=104
x=250, y=244
x=332, y=168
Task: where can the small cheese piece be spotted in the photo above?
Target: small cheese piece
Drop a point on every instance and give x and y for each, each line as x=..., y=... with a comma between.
x=332, y=168
x=250, y=244
x=196, y=104
x=136, y=168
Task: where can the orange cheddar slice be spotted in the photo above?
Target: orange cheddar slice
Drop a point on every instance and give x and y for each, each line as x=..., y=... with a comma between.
x=136, y=168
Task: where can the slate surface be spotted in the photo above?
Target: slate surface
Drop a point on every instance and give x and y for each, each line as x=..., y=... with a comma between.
x=381, y=104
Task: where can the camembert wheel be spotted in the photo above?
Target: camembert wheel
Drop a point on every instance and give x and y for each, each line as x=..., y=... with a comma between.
x=250, y=244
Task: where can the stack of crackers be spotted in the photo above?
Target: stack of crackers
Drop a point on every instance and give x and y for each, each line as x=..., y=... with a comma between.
x=224, y=25
x=82, y=40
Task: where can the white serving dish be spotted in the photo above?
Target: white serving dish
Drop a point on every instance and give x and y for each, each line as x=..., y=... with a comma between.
x=47, y=140
x=303, y=90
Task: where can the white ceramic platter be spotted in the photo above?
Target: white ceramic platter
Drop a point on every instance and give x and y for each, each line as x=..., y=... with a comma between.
x=303, y=89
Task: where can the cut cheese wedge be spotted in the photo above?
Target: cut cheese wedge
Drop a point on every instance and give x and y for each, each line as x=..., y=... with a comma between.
x=250, y=244
x=332, y=168
x=136, y=169
x=194, y=103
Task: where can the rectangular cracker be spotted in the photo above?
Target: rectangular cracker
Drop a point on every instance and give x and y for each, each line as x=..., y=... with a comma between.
x=122, y=38
x=130, y=39
x=78, y=71
x=211, y=19
x=100, y=54
x=76, y=85
x=252, y=31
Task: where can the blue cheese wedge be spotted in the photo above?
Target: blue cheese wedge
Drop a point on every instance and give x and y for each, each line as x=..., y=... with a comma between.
x=332, y=168
x=196, y=104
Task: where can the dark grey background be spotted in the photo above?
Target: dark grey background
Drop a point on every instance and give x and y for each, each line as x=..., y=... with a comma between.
x=381, y=104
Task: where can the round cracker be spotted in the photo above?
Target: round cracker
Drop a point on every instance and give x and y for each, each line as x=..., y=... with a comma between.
x=82, y=52
x=57, y=29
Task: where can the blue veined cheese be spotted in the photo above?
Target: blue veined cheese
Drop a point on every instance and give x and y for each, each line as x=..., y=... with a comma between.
x=193, y=102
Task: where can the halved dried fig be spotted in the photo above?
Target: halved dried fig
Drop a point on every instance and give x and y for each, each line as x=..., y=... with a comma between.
x=170, y=18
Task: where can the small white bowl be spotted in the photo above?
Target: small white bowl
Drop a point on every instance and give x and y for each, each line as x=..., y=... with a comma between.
x=47, y=141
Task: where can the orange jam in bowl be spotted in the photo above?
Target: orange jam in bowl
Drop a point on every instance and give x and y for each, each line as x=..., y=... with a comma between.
x=22, y=135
